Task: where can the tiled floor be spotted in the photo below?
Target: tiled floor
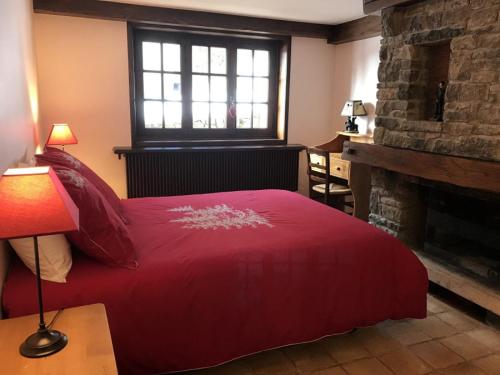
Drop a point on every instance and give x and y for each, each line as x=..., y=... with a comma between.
x=448, y=342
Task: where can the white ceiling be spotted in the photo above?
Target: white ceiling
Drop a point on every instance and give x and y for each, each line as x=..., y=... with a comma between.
x=316, y=11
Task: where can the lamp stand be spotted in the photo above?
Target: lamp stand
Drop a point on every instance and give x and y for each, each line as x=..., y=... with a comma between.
x=45, y=341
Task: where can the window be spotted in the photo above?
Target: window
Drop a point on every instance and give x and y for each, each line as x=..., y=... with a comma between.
x=192, y=88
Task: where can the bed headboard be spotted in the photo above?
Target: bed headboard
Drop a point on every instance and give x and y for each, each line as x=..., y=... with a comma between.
x=4, y=263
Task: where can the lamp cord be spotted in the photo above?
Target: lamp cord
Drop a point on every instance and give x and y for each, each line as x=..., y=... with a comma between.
x=52, y=322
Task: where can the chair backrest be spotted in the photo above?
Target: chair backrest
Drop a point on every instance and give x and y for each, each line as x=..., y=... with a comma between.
x=318, y=173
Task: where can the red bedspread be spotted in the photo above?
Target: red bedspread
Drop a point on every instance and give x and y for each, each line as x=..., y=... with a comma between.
x=229, y=274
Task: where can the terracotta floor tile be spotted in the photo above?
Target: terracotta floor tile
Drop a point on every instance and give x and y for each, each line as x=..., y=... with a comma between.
x=434, y=327
x=458, y=320
x=486, y=336
x=331, y=371
x=490, y=365
x=436, y=354
x=405, y=362
x=466, y=346
x=309, y=357
x=376, y=341
x=272, y=362
x=345, y=348
x=368, y=366
x=462, y=369
x=435, y=306
x=406, y=333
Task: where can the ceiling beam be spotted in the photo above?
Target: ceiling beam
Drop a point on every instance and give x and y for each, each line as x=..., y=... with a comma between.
x=362, y=28
x=179, y=17
x=372, y=6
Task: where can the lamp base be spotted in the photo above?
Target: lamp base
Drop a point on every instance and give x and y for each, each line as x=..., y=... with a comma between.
x=43, y=343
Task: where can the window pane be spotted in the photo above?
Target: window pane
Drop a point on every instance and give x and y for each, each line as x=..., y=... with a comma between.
x=200, y=59
x=244, y=89
x=243, y=116
x=172, y=86
x=151, y=56
x=261, y=63
x=171, y=57
x=260, y=89
x=218, y=89
x=200, y=88
x=244, y=62
x=218, y=112
x=152, y=85
x=200, y=115
x=153, y=114
x=260, y=116
x=173, y=115
x=217, y=60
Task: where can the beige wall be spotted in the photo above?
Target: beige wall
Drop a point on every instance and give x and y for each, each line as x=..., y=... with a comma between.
x=355, y=77
x=83, y=80
x=18, y=88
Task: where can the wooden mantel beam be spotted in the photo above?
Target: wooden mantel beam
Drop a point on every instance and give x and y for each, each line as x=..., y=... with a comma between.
x=372, y=6
x=362, y=28
x=465, y=172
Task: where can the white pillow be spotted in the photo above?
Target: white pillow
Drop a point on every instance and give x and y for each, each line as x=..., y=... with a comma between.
x=54, y=252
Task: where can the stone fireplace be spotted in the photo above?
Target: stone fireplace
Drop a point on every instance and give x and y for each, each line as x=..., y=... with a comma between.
x=455, y=230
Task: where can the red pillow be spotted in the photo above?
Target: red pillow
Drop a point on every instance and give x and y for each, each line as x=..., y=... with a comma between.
x=102, y=235
x=54, y=156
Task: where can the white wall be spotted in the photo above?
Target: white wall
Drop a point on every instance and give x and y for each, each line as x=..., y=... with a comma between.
x=83, y=81
x=18, y=87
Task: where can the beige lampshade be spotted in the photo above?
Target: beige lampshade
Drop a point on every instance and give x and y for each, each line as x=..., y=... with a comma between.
x=354, y=108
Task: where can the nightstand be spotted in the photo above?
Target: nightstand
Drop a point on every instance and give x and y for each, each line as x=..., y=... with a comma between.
x=89, y=349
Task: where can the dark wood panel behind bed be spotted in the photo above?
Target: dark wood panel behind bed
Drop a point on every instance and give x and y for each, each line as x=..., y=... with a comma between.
x=153, y=172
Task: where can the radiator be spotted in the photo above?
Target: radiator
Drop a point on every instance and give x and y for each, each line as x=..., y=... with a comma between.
x=159, y=173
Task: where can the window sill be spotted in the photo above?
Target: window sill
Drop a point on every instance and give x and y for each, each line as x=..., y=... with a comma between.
x=144, y=150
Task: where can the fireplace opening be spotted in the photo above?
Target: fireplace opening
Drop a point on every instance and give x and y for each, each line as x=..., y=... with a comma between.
x=463, y=232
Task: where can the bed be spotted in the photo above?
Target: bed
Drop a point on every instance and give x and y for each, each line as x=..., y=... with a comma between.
x=229, y=274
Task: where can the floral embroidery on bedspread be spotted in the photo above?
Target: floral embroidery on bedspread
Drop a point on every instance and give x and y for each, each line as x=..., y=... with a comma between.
x=219, y=216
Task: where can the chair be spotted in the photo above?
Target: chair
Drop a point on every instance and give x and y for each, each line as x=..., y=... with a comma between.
x=319, y=178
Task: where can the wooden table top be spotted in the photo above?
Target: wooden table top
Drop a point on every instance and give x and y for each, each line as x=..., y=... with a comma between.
x=89, y=349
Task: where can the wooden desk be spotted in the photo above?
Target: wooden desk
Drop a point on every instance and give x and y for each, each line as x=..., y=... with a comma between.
x=357, y=176
x=89, y=349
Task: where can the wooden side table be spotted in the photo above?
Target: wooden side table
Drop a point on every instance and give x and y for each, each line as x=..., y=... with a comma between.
x=89, y=349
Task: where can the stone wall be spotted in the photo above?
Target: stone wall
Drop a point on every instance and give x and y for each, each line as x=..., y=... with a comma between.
x=413, y=36
x=471, y=124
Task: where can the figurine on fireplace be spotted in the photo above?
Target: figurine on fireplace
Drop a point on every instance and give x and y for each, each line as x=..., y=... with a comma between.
x=352, y=109
x=439, y=108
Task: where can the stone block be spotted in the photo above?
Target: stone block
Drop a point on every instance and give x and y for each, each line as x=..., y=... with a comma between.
x=389, y=71
x=463, y=42
x=485, y=76
x=487, y=129
x=387, y=94
x=480, y=147
x=467, y=91
x=457, y=128
x=378, y=135
x=433, y=36
x=488, y=41
x=387, y=122
x=457, y=111
x=486, y=53
x=476, y=4
x=422, y=126
x=454, y=4
x=489, y=113
x=482, y=17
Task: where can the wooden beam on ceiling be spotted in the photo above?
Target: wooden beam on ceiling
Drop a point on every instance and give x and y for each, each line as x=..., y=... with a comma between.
x=372, y=6
x=362, y=28
x=178, y=17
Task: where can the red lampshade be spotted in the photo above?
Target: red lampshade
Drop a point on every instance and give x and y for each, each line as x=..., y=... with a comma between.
x=33, y=202
x=61, y=135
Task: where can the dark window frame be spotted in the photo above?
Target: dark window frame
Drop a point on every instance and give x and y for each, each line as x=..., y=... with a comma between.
x=279, y=48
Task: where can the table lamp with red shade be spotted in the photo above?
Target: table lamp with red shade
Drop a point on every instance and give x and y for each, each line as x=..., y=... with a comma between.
x=33, y=203
x=61, y=135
